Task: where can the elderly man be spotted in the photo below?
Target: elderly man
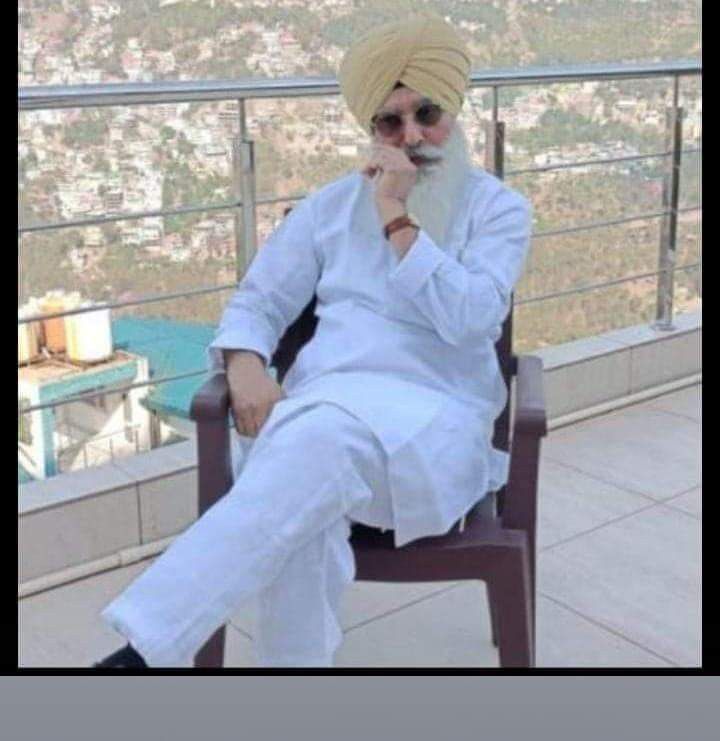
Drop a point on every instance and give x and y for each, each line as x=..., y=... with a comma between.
x=386, y=417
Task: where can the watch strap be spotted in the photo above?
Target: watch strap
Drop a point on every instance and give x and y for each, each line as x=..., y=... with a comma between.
x=400, y=222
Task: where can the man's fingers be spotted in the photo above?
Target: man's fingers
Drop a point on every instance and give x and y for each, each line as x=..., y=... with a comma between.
x=244, y=421
x=240, y=423
x=252, y=397
x=380, y=162
x=251, y=417
x=371, y=167
x=259, y=415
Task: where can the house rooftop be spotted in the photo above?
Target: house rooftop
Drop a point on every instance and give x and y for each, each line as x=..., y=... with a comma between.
x=57, y=367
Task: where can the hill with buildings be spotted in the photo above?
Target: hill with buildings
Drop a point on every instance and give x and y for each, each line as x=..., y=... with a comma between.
x=76, y=164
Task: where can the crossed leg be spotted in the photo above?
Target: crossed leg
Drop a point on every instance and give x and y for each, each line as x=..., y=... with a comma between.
x=280, y=533
x=298, y=613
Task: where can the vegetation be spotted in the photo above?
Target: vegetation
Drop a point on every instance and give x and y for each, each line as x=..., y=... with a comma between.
x=558, y=127
x=620, y=31
x=84, y=133
x=182, y=186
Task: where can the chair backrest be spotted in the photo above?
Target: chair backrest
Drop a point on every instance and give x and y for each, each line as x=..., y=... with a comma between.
x=296, y=335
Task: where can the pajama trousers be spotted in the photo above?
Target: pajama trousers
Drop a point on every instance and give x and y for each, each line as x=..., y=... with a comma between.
x=280, y=535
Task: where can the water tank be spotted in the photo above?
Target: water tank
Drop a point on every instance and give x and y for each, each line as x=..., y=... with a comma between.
x=89, y=335
x=28, y=335
x=54, y=329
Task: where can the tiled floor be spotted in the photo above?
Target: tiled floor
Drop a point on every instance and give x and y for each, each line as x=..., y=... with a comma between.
x=618, y=568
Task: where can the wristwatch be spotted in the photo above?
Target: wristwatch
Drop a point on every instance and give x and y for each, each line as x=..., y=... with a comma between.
x=399, y=223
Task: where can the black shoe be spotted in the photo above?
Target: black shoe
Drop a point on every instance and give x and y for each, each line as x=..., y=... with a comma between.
x=124, y=658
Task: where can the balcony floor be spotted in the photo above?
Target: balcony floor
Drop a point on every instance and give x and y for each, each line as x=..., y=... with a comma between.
x=619, y=569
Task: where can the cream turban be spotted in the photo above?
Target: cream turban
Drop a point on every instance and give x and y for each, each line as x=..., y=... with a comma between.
x=421, y=51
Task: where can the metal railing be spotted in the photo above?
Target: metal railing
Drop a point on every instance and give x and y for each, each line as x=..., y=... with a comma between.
x=245, y=202
x=74, y=448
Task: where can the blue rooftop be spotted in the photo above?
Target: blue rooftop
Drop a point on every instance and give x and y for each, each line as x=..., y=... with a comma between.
x=172, y=348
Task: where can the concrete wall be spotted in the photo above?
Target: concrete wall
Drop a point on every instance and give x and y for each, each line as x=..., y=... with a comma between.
x=94, y=513
x=604, y=368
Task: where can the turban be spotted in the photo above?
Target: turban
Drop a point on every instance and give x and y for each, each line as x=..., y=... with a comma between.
x=423, y=52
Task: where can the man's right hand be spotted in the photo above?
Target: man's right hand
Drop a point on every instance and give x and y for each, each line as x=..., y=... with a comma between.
x=253, y=393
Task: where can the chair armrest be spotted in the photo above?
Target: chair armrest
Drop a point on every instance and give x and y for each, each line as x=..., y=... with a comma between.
x=211, y=401
x=209, y=410
x=529, y=426
x=530, y=415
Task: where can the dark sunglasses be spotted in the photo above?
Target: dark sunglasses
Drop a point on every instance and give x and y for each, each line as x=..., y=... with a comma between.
x=387, y=124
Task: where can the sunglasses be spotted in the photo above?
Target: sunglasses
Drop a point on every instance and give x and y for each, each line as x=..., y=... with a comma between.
x=387, y=124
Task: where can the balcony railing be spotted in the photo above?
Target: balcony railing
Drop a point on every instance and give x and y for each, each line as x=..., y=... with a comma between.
x=245, y=202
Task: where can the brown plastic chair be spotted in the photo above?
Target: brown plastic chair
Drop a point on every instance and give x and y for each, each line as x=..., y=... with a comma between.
x=497, y=544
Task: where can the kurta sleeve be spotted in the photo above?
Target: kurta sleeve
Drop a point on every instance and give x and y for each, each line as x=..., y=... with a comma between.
x=465, y=298
x=277, y=286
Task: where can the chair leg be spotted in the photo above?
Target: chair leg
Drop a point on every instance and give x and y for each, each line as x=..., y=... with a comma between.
x=512, y=602
x=493, y=613
x=211, y=655
x=533, y=609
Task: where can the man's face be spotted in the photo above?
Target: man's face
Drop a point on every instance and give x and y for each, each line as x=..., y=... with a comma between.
x=443, y=169
x=412, y=136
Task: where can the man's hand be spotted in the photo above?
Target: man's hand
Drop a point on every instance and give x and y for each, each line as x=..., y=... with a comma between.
x=253, y=393
x=395, y=175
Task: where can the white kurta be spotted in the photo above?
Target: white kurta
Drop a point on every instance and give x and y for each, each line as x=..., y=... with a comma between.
x=406, y=345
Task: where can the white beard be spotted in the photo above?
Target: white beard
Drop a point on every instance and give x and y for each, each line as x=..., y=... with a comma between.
x=438, y=187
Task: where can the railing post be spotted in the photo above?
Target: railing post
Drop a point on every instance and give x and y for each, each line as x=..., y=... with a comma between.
x=495, y=147
x=495, y=163
x=244, y=182
x=668, y=229
x=19, y=246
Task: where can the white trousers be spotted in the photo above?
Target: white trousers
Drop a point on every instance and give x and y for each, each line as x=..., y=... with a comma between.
x=280, y=534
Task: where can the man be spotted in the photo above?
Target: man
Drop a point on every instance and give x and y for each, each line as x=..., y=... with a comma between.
x=387, y=415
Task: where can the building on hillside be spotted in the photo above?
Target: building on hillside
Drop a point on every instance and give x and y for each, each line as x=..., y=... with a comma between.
x=55, y=363
x=87, y=432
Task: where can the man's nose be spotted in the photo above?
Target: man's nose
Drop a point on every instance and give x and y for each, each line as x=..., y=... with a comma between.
x=412, y=132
